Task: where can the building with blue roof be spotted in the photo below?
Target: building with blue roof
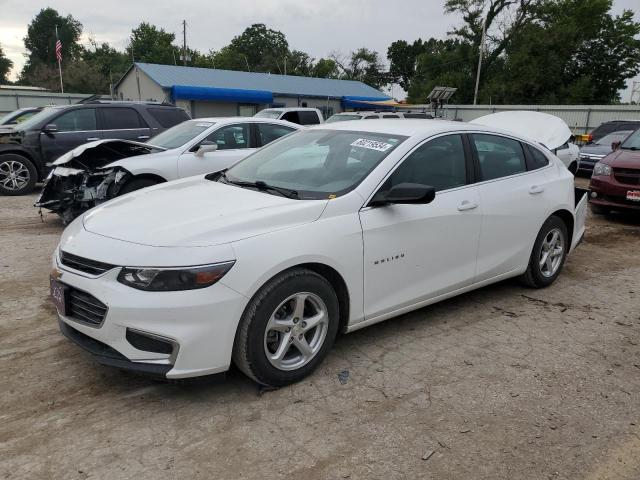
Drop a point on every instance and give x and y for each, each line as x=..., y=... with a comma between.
x=208, y=92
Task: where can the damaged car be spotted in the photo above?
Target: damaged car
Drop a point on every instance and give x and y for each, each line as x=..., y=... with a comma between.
x=101, y=170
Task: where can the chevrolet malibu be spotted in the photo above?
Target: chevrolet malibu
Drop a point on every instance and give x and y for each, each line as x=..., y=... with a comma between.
x=326, y=230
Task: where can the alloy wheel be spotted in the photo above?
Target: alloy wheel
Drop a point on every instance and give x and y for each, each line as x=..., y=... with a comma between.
x=551, y=253
x=296, y=331
x=14, y=175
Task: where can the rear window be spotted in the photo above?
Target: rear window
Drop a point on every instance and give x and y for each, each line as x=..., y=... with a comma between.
x=390, y=116
x=416, y=115
x=168, y=117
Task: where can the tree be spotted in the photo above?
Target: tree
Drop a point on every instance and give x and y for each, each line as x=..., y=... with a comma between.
x=257, y=49
x=363, y=65
x=5, y=67
x=149, y=44
x=40, y=41
x=325, y=68
x=403, y=58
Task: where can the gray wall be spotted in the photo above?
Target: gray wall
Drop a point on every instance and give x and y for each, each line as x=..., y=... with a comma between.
x=11, y=99
x=580, y=118
x=149, y=90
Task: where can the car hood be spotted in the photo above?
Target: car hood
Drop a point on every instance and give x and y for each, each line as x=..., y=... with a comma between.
x=622, y=158
x=595, y=149
x=103, y=152
x=547, y=129
x=196, y=212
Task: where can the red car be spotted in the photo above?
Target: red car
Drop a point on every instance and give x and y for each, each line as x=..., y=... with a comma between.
x=615, y=184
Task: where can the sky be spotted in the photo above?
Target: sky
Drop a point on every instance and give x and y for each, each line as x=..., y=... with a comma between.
x=318, y=27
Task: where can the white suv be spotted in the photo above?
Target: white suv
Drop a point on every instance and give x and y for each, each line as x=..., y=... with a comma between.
x=299, y=115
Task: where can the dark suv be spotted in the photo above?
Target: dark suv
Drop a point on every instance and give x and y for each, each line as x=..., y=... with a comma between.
x=26, y=149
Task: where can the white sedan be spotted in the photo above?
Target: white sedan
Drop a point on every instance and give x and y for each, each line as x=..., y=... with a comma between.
x=325, y=230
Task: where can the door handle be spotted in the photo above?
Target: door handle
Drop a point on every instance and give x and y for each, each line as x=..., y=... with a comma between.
x=143, y=137
x=536, y=189
x=91, y=139
x=467, y=205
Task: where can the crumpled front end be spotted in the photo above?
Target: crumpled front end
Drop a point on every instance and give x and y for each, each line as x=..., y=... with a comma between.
x=82, y=178
x=70, y=192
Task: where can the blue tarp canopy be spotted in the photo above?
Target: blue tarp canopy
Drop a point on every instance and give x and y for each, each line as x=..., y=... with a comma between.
x=361, y=102
x=184, y=92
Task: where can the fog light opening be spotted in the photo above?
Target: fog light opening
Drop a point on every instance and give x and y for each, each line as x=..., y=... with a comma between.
x=150, y=343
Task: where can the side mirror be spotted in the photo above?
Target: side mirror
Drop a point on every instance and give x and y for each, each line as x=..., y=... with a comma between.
x=615, y=145
x=405, y=193
x=50, y=128
x=206, y=148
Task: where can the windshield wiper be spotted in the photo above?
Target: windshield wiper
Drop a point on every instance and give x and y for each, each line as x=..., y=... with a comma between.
x=260, y=185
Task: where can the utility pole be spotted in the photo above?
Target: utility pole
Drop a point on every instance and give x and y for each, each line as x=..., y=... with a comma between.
x=484, y=28
x=184, y=42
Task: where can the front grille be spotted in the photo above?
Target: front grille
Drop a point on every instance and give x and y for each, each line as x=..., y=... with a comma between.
x=86, y=265
x=84, y=307
x=628, y=176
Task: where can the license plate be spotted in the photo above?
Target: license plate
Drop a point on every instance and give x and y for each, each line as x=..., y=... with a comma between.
x=633, y=195
x=59, y=295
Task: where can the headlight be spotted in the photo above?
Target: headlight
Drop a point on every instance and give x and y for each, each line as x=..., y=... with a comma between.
x=172, y=279
x=601, y=170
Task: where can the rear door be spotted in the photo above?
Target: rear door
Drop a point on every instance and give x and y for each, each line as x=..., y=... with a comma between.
x=514, y=202
x=75, y=127
x=234, y=141
x=123, y=123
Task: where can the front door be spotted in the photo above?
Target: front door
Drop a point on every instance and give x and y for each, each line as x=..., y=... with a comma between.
x=234, y=143
x=416, y=252
x=74, y=128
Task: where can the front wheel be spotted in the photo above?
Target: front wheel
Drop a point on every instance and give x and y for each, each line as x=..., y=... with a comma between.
x=548, y=255
x=287, y=328
x=18, y=175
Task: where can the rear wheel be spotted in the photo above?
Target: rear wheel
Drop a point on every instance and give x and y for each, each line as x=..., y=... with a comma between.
x=136, y=184
x=548, y=255
x=18, y=175
x=287, y=328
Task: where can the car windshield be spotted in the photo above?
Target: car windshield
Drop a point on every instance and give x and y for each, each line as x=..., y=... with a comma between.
x=607, y=140
x=268, y=114
x=316, y=164
x=31, y=122
x=342, y=118
x=633, y=142
x=180, y=134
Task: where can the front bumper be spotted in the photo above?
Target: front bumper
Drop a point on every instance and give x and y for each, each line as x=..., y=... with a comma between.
x=200, y=324
x=610, y=193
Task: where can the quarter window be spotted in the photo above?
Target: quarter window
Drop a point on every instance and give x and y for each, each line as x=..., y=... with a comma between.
x=230, y=137
x=538, y=159
x=269, y=132
x=308, y=117
x=77, y=120
x=439, y=163
x=499, y=156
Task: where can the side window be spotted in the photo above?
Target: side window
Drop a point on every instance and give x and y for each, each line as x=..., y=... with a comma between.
x=291, y=117
x=537, y=159
x=439, y=163
x=390, y=116
x=308, y=118
x=77, y=120
x=268, y=132
x=371, y=117
x=230, y=137
x=117, y=118
x=499, y=156
x=168, y=116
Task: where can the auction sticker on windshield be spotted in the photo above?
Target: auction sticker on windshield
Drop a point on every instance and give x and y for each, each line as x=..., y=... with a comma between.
x=372, y=145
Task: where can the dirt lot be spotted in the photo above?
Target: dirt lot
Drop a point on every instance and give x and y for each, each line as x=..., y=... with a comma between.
x=504, y=382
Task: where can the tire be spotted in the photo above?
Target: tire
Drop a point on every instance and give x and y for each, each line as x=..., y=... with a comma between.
x=274, y=305
x=18, y=176
x=540, y=276
x=136, y=184
x=599, y=210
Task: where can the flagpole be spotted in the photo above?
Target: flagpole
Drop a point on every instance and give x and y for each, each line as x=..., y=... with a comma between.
x=59, y=64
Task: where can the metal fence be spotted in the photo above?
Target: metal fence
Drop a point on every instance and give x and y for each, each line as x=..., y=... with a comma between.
x=580, y=118
x=11, y=99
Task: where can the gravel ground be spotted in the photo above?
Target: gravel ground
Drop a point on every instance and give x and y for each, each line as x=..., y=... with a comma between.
x=504, y=382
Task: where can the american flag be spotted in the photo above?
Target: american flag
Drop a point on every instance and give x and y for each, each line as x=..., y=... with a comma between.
x=59, y=50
